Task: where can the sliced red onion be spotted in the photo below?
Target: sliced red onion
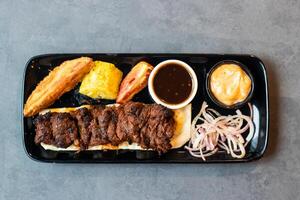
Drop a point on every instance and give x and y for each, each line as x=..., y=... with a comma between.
x=216, y=131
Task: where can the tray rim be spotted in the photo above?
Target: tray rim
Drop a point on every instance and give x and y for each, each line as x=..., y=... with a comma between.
x=254, y=158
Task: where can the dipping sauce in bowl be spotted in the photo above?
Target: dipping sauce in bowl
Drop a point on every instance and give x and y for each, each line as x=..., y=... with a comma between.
x=229, y=83
x=173, y=84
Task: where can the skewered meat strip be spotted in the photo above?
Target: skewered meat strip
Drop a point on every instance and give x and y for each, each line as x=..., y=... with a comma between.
x=151, y=126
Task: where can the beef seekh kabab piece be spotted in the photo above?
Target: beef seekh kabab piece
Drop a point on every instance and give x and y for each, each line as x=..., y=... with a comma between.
x=58, y=129
x=43, y=129
x=84, y=118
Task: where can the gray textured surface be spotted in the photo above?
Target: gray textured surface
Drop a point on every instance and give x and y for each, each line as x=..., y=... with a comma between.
x=268, y=29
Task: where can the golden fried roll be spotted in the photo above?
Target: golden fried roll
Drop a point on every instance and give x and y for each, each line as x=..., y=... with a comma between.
x=59, y=81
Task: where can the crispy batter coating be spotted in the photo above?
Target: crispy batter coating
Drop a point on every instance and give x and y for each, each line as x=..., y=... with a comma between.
x=59, y=81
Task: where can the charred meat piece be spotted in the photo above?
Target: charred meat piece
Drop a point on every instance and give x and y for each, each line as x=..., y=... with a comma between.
x=104, y=127
x=150, y=126
x=58, y=129
x=84, y=118
x=159, y=129
x=133, y=122
x=97, y=135
x=109, y=121
x=43, y=129
x=98, y=130
x=64, y=129
x=121, y=124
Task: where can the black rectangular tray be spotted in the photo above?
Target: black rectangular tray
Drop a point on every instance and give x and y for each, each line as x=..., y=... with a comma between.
x=39, y=66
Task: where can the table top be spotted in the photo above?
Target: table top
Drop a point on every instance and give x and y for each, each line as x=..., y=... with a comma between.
x=268, y=29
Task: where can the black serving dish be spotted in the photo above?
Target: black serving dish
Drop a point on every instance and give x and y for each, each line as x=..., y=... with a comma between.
x=39, y=66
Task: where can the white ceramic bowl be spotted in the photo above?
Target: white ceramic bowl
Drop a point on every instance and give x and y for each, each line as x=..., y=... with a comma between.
x=194, y=84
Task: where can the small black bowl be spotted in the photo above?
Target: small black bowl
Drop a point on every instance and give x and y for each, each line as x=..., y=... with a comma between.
x=211, y=95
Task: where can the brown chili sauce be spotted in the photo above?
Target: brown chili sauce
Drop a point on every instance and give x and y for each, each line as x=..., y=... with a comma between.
x=172, y=84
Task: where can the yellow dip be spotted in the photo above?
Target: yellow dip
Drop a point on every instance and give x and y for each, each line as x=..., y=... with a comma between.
x=230, y=84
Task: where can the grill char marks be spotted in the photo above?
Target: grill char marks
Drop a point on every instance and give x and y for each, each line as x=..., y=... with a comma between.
x=64, y=129
x=159, y=129
x=84, y=118
x=133, y=123
x=110, y=117
x=58, y=129
x=150, y=126
x=43, y=129
x=104, y=126
x=121, y=131
x=98, y=127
